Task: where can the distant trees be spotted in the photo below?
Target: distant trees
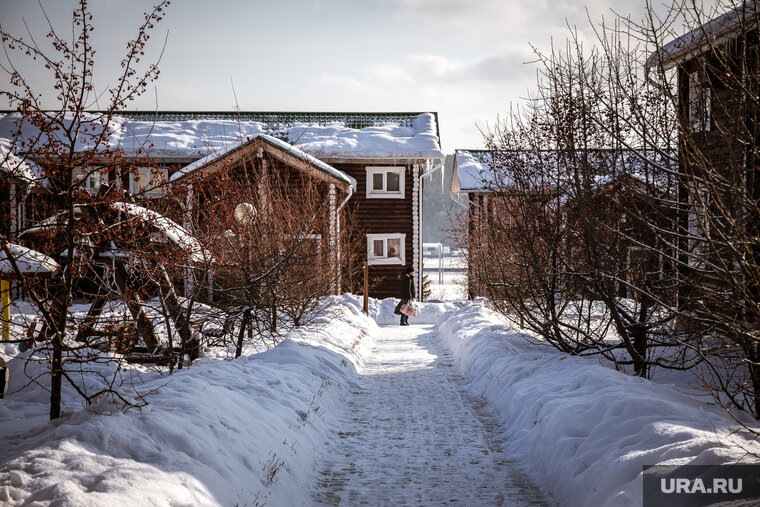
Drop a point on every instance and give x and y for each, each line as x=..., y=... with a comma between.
x=623, y=215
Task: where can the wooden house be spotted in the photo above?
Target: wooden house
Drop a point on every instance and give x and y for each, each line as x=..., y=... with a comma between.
x=243, y=180
x=503, y=190
x=387, y=155
x=472, y=187
x=717, y=71
x=377, y=161
x=483, y=181
x=17, y=178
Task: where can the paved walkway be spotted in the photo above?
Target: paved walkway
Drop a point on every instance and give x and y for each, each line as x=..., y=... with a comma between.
x=412, y=435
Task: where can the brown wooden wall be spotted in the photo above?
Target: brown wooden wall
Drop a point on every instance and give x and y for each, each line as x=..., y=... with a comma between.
x=379, y=216
x=730, y=143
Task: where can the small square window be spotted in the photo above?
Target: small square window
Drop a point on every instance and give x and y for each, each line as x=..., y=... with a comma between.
x=386, y=248
x=141, y=182
x=393, y=182
x=93, y=182
x=385, y=182
x=149, y=181
x=699, y=103
x=157, y=178
x=90, y=178
x=394, y=247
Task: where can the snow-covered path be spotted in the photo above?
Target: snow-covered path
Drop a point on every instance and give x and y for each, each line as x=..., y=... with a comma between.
x=412, y=435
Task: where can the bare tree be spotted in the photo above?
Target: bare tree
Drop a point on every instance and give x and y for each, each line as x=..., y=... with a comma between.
x=626, y=194
x=267, y=227
x=72, y=148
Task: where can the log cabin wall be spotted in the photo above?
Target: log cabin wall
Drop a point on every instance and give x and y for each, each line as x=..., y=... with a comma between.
x=223, y=187
x=721, y=143
x=239, y=182
x=383, y=216
x=476, y=221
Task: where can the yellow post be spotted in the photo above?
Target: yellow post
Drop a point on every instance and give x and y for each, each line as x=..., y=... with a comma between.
x=5, y=289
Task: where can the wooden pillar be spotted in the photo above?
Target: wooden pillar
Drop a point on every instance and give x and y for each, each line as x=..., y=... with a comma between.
x=188, y=224
x=333, y=241
x=416, y=232
x=5, y=288
x=366, y=288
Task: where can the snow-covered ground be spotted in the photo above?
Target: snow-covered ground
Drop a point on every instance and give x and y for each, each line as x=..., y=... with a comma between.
x=585, y=431
x=448, y=277
x=273, y=428
x=222, y=432
x=410, y=434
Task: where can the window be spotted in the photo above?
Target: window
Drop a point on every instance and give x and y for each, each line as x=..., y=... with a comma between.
x=699, y=103
x=386, y=248
x=385, y=182
x=148, y=181
x=91, y=177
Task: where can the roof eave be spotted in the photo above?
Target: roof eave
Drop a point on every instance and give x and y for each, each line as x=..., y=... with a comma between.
x=702, y=38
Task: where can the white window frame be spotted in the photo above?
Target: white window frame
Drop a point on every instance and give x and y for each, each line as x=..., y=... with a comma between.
x=83, y=176
x=150, y=191
x=384, y=170
x=388, y=261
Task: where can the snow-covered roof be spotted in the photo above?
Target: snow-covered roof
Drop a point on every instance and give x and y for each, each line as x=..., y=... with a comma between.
x=14, y=165
x=29, y=262
x=278, y=143
x=322, y=135
x=169, y=228
x=173, y=231
x=474, y=170
x=698, y=40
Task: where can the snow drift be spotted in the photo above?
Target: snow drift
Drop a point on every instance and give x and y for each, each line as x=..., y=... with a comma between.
x=222, y=432
x=585, y=431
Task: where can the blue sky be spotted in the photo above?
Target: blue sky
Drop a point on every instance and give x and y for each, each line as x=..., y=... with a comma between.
x=464, y=59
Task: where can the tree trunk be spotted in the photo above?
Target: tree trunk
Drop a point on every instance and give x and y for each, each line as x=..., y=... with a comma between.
x=754, y=373
x=56, y=368
x=243, y=325
x=144, y=325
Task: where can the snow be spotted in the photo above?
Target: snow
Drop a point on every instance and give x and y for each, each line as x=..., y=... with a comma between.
x=447, y=277
x=28, y=261
x=173, y=231
x=347, y=409
x=390, y=140
x=472, y=171
x=290, y=149
x=222, y=432
x=586, y=430
x=199, y=138
x=409, y=434
x=15, y=166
